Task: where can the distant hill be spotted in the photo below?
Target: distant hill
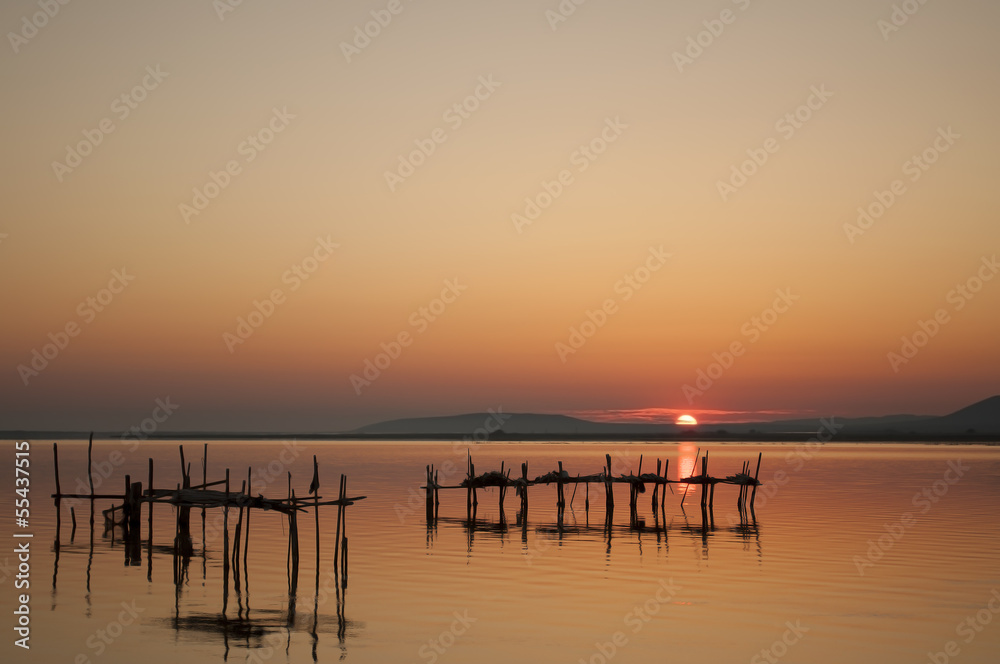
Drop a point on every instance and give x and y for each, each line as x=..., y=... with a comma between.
x=511, y=424
x=982, y=418
x=979, y=422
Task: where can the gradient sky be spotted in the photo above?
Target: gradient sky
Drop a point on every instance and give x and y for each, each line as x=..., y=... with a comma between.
x=554, y=90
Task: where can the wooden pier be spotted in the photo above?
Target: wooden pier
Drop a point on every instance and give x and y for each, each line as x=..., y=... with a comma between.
x=637, y=483
x=125, y=515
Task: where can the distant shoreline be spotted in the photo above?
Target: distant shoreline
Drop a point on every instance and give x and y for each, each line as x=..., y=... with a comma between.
x=498, y=437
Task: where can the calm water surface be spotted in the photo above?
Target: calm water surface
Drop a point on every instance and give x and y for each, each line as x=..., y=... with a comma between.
x=859, y=553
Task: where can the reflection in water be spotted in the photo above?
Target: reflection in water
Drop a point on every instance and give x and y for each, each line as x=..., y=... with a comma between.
x=557, y=532
x=636, y=482
x=262, y=630
x=538, y=583
x=687, y=458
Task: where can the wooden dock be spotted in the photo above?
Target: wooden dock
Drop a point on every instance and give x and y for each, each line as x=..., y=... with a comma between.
x=125, y=515
x=637, y=483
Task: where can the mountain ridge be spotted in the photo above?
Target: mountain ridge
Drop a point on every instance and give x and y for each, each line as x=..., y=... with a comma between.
x=982, y=417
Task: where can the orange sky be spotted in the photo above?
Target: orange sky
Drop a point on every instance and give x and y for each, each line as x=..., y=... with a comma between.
x=233, y=158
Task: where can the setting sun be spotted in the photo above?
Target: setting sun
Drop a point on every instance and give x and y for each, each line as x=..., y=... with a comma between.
x=686, y=420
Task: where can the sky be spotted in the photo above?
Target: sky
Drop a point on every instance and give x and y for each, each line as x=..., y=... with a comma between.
x=311, y=216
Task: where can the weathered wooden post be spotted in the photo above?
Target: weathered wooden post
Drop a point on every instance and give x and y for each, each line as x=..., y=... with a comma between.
x=501, y=489
x=468, y=489
x=127, y=508
x=753, y=495
x=204, y=483
x=343, y=499
x=134, y=543
x=149, y=525
x=225, y=536
x=704, y=487
x=177, y=538
x=666, y=484
x=341, y=513
x=236, y=536
x=90, y=464
x=429, y=494
x=560, y=499
x=246, y=528
x=58, y=498
x=293, y=535
x=475, y=496
x=55, y=461
x=136, y=513
x=609, y=494
x=437, y=492
x=656, y=485
x=742, y=497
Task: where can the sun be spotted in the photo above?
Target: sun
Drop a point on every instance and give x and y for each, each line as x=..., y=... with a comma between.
x=686, y=420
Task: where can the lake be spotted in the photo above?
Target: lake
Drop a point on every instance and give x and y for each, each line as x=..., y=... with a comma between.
x=857, y=553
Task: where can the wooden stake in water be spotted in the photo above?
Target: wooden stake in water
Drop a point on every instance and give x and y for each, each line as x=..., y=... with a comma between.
x=246, y=531
x=90, y=464
x=225, y=538
x=343, y=497
x=609, y=494
x=656, y=486
x=55, y=461
x=753, y=495
x=185, y=480
x=314, y=489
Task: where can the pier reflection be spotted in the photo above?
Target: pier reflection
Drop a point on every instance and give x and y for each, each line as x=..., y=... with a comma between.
x=540, y=534
x=317, y=609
